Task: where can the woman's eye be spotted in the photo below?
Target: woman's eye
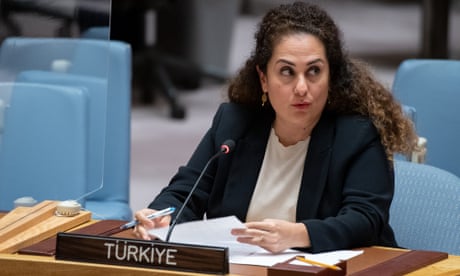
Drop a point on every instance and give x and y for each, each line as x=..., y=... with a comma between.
x=313, y=71
x=286, y=71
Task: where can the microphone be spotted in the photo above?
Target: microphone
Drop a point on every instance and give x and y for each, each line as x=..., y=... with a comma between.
x=65, y=208
x=71, y=207
x=225, y=148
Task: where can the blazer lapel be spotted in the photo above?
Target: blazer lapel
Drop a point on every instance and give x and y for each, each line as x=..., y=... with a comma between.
x=316, y=168
x=246, y=166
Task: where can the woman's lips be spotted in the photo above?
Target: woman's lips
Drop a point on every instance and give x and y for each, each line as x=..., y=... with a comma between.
x=301, y=105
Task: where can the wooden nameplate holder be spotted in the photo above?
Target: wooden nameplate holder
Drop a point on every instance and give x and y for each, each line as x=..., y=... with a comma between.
x=142, y=253
x=24, y=226
x=401, y=264
x=287, y=269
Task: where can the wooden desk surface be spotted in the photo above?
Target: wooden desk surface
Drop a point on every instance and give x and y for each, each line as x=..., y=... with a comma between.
x=447, y=267
x=20, y=264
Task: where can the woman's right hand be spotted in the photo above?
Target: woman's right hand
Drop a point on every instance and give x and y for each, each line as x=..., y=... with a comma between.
x=141, y=229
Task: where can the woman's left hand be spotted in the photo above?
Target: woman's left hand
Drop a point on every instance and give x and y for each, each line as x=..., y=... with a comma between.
x=273, y=235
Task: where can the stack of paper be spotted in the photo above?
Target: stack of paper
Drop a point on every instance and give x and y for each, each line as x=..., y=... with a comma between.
x=216, y=232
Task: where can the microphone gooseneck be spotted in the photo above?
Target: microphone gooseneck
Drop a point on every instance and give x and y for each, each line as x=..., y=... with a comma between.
x=225, y=148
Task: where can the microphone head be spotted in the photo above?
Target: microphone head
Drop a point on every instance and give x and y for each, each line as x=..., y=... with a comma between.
x=227, y=146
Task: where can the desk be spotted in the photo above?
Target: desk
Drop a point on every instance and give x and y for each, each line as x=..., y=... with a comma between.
x=21, y=264
x=17, y=264
x=450, y=266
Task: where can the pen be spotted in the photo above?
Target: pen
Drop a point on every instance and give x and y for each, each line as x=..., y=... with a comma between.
x=157, y=214
x=302, y=259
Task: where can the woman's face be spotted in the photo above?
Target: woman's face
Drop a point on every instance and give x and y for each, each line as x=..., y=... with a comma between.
x=297, y=80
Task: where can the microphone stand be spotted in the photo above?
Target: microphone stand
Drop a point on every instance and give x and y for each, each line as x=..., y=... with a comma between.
x=173, y=224
x=226, y=147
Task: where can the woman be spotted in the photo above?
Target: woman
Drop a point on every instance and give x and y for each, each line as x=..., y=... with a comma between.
x=315, y=135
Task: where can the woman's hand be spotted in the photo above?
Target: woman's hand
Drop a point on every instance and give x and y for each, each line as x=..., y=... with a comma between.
x=141, y=230
x=273, y=235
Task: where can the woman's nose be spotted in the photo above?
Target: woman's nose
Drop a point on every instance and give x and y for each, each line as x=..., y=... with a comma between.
x=301, y=87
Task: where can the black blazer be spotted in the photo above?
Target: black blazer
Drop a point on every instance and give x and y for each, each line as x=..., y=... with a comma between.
x=347, y=184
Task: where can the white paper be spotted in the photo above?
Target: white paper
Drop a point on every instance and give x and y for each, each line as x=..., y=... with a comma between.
x=264, y=258
x=211, y=232
x=216, y=232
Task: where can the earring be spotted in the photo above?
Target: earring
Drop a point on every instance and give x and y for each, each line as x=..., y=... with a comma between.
x=264, y=98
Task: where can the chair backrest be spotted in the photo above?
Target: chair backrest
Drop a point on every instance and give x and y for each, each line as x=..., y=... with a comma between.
x=87, y=57
x=97, y=100
x=43, y=142
x=104, y=68
x=425, y=212
x=432, y=87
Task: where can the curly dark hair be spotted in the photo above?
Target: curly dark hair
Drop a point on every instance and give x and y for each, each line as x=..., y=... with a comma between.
x=352, y=87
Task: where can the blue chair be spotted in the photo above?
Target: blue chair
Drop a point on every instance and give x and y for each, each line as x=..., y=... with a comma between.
x=432, y=88
x=100, y=32
x=84, y=56
x=43, y=139
x=104, y=69
x=425, y=212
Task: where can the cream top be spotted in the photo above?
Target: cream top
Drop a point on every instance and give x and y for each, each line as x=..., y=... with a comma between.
x=277, y=188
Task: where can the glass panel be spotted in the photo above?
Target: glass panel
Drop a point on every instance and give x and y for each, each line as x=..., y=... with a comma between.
x=54, y=70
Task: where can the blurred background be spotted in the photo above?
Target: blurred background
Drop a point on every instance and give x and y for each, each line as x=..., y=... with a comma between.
x=185, y=51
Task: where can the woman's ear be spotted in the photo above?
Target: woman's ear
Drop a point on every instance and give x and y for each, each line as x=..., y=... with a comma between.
x=263, y=79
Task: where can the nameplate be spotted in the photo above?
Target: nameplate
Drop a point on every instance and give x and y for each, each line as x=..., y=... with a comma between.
x=141, y=253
